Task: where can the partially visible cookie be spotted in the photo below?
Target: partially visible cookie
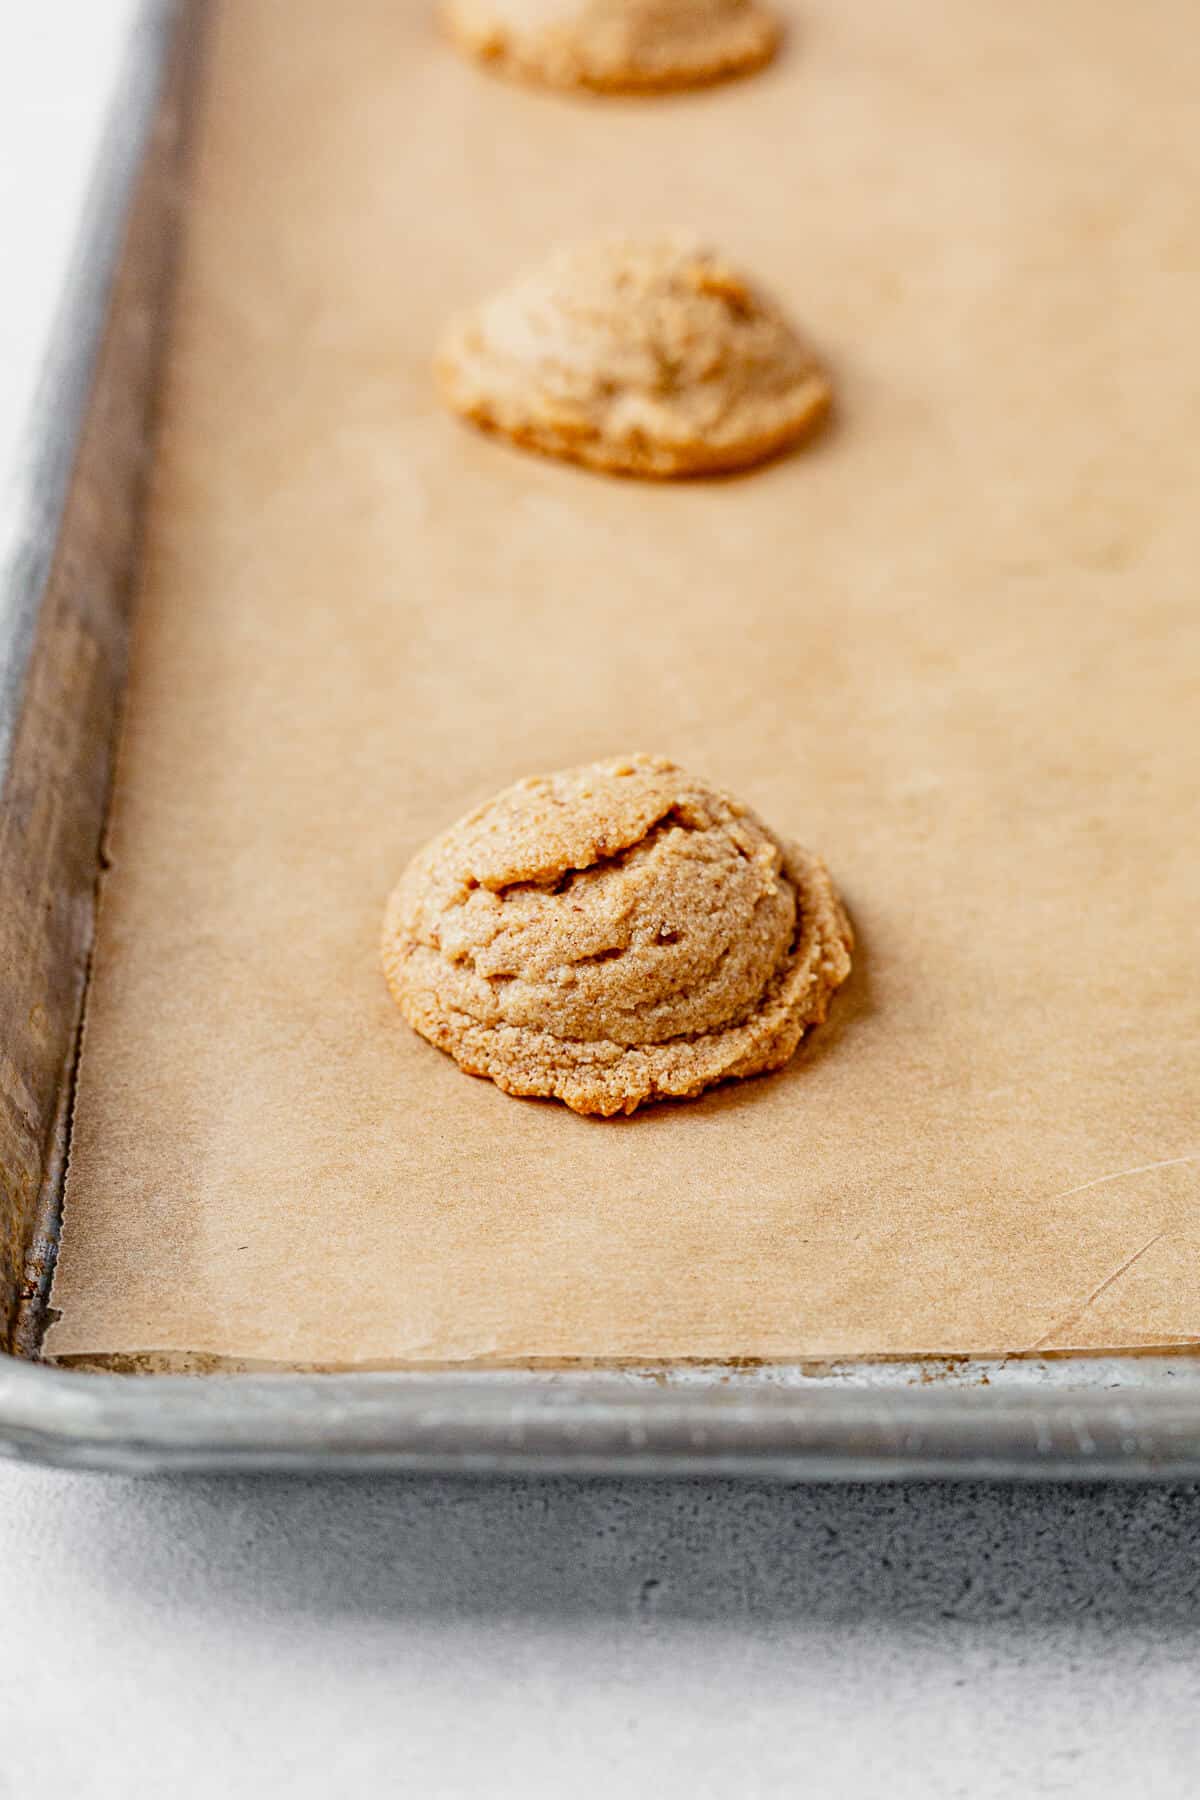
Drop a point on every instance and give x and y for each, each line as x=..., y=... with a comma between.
x=643, y=358
x=628, y=46
x=614, y=934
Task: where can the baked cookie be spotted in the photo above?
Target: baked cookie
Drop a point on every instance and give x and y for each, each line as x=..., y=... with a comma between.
x=650, y=358
x=618, y=46
x=614, y=934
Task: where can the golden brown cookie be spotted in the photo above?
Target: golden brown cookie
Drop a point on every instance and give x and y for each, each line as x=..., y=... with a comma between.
x=614, y=934
x=653, y=358
x=618, y=46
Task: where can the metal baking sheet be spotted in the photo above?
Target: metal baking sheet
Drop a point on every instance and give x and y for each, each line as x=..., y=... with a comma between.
x=67, y=576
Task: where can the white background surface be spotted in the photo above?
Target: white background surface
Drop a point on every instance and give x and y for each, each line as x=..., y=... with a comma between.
x=196, y=1637
x=59, y=64
x=192, y=1637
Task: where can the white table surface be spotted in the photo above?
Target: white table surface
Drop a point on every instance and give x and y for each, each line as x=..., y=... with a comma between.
x=195, y=1637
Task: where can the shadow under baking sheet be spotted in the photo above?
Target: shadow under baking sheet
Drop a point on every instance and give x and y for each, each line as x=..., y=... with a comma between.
x=744, y=1556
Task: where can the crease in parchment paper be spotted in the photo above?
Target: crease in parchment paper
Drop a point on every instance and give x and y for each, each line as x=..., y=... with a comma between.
x=952, y=645
x=1072, y=1319
x=1168, y=1162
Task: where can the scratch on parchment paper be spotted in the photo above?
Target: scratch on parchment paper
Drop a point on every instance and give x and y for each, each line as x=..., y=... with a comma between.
x=1169, y=1162
x=1074, y=1318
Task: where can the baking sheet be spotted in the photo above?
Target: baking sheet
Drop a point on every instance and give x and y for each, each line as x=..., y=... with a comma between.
x=953, y=645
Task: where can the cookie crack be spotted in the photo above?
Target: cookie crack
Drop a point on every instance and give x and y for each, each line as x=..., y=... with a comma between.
x=558, y=881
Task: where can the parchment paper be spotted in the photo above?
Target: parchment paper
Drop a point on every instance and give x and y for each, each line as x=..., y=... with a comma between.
x=953, y=645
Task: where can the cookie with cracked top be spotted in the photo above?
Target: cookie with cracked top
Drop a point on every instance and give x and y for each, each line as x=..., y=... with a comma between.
x=614, y=934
